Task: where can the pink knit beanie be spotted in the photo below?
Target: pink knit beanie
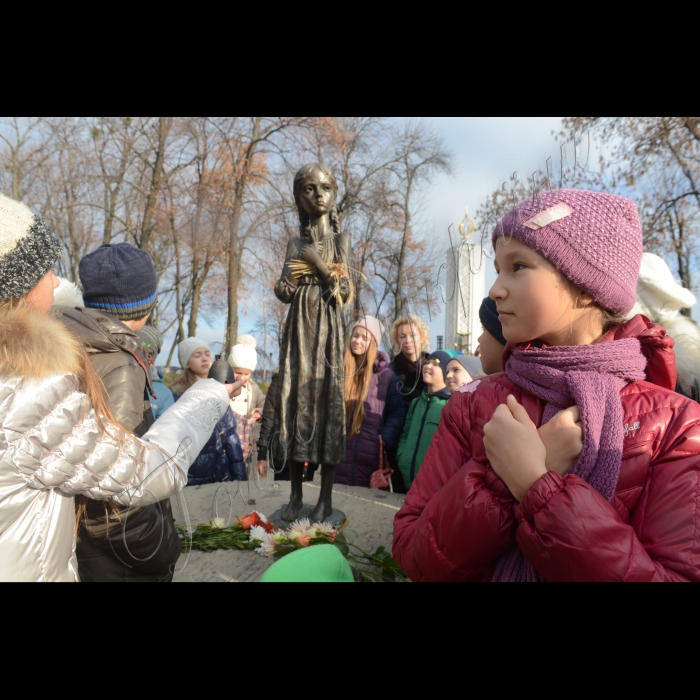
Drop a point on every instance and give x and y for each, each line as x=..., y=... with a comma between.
x=594, y=239
x=373, y=325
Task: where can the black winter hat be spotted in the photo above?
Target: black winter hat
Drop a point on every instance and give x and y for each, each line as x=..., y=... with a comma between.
x=490, y=321
x=442, y=359
x=120, y=280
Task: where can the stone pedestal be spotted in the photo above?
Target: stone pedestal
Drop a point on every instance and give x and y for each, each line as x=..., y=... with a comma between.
x=337, y=520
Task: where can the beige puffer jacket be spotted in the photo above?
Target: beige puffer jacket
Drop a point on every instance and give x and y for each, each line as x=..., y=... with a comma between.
x=52, y=449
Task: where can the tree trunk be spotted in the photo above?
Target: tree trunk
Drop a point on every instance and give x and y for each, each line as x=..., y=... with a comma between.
x=234, y=253
x=112, y=195
x=234, y=276
x=399, y=302
x=164, y=126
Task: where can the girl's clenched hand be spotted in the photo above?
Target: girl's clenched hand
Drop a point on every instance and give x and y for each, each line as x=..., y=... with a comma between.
x=514, y=448
x=563, y=439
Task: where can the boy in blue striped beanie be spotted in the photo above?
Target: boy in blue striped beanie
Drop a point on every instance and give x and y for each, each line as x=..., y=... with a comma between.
x=120, y=280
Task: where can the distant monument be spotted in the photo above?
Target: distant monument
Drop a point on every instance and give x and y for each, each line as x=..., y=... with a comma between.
x=465, y=290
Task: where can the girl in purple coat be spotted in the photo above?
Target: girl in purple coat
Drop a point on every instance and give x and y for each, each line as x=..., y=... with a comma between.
x=374, y=404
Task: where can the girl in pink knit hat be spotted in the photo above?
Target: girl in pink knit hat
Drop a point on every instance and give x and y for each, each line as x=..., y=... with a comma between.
x=579, y=462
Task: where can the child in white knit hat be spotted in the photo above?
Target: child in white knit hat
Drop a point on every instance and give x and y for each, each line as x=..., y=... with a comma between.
x=661, y=298
x=248, y=407
x=222, y=458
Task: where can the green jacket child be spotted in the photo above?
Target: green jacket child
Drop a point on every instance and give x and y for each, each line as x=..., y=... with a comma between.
x=423, y=417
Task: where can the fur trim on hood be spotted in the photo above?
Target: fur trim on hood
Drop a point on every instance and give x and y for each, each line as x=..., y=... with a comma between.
x=34, y=346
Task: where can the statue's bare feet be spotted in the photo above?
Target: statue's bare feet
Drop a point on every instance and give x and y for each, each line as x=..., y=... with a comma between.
x=291, y=512
x=322, y=513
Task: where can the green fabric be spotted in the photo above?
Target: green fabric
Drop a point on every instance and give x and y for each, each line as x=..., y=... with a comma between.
x=421, y=425
x=320, y=564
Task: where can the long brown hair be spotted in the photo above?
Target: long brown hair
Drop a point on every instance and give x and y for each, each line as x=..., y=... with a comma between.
x=358, y=381
x=183, y=382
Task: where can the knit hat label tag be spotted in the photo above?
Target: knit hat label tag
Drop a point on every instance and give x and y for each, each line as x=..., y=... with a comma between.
x=549, y=216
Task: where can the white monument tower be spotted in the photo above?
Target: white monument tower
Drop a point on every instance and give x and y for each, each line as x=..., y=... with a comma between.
x=465, y=291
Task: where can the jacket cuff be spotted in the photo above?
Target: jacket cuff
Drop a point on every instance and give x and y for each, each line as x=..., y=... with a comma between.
x=538, y=497
x=498, y=489
x=262, y=454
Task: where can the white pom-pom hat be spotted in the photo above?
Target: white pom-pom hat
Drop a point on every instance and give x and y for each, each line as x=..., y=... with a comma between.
x=244, y=354
x=67, y=294
x=659, y=295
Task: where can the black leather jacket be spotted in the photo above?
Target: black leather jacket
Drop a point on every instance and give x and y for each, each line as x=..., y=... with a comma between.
x=117, y=354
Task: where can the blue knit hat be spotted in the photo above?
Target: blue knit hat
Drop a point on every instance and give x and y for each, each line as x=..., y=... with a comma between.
x=490, y=321
x=121, y=280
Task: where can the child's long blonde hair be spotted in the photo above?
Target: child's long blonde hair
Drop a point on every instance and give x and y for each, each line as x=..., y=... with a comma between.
x=358, y=381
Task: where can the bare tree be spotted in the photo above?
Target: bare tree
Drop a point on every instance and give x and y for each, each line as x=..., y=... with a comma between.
x=419, y=156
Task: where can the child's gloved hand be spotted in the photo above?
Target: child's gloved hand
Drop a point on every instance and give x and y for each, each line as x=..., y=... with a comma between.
x=514, y=448
x=563, y=439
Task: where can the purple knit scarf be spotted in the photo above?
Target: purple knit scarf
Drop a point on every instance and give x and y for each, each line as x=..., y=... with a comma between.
x=590, y=377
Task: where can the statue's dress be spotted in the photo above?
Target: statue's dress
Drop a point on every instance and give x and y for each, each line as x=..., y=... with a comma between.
x=310, y=416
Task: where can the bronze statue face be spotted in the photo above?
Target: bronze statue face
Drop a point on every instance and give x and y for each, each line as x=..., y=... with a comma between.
x=317, y=194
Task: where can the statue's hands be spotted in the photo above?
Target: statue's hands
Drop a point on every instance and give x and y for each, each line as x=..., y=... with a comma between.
x=311, y=255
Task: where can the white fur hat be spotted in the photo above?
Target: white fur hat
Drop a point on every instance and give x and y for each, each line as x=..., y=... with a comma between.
x=67, y=294
x=244, y=355
x=659, y=295
x=188, y=347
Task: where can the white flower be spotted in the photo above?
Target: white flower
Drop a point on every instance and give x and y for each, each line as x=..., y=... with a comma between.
x=279, y=538
x=267, y=548
x=299, y=529
x=257, y=534
x=325, y=529
x=262, y=517
x=218, y=523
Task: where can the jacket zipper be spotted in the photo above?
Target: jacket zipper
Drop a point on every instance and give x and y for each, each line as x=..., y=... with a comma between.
x=420, y=435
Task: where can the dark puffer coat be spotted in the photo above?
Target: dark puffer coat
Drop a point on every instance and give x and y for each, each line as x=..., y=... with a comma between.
x=385, y=412
x=460, y=518
x=221, y=459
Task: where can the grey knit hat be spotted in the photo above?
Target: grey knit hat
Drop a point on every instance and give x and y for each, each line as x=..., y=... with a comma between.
x=28, y=249
x=152, y=340
x=471, y=364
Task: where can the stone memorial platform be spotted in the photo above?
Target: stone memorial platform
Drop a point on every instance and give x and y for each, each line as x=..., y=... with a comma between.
x=369, y=513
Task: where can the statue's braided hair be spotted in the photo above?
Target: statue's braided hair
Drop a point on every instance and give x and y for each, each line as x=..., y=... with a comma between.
x=304, y=221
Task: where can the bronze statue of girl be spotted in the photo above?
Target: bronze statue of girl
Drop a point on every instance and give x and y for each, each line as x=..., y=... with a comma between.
x=310, y=417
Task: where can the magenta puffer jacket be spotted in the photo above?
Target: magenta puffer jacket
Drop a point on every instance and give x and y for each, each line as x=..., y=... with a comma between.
x=460, y=518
